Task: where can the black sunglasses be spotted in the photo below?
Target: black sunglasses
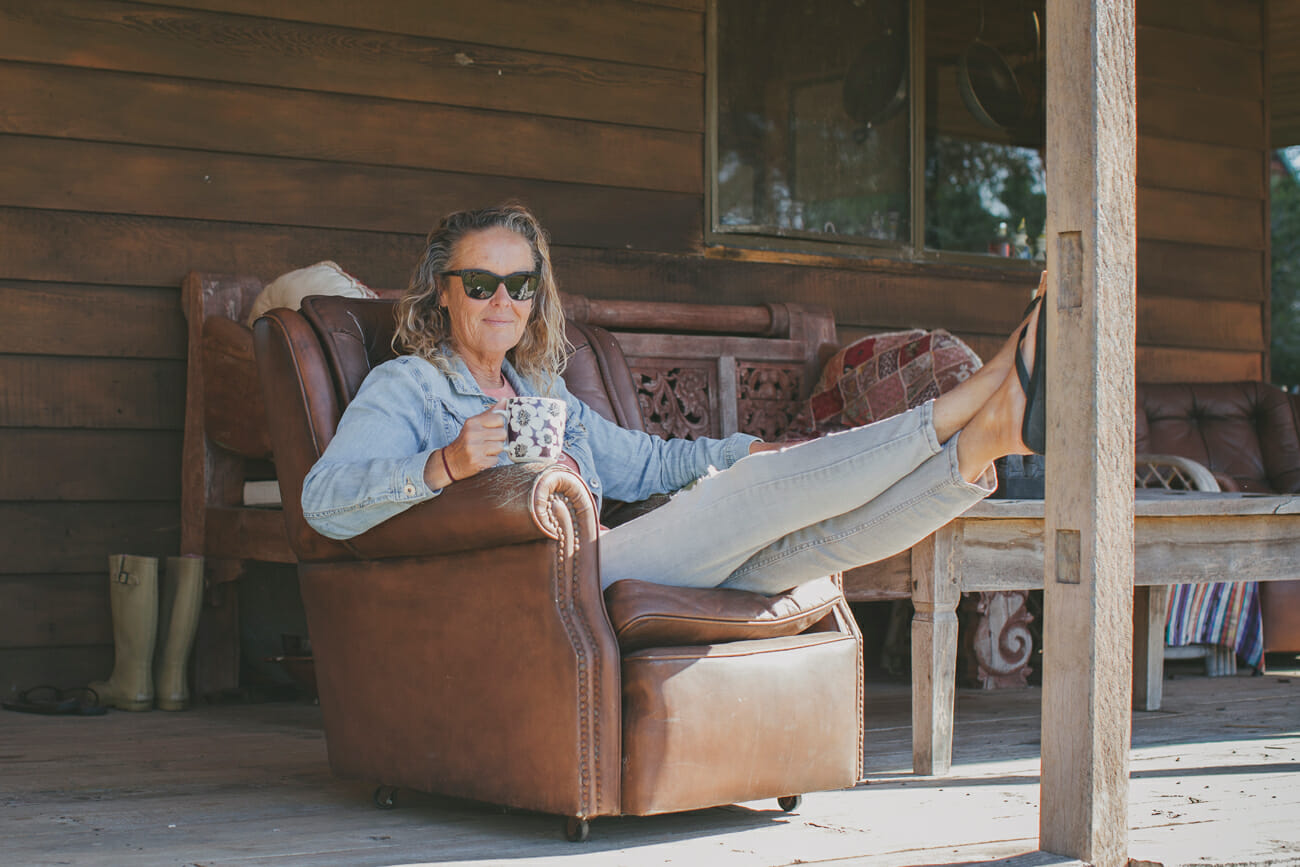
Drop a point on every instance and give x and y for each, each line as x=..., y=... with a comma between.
x=482, y=285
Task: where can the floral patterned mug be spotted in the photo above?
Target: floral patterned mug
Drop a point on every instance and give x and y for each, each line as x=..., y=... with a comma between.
x=534, y=429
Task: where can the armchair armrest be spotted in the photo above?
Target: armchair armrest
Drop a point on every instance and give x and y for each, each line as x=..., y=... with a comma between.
x=504, y=638
x=500, y=506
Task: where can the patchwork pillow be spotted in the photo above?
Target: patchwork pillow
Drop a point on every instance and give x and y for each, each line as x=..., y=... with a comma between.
x=323, y=278
x=884, y=374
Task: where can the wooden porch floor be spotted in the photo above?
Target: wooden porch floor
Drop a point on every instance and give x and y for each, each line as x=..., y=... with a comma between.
x=1215, y=781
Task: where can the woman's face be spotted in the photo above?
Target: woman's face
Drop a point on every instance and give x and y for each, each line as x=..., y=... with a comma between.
x=485, y=330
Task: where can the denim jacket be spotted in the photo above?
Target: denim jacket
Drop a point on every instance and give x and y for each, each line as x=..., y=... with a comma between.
x=406, y=408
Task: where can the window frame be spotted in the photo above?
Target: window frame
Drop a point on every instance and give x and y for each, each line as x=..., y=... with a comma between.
x=803, y=241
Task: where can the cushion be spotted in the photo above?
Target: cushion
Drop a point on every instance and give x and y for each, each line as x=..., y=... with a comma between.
x=659, y=615
x=884, y=374
x=323, y=278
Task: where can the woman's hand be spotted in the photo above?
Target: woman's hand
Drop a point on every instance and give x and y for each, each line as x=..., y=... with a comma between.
x=476, y=448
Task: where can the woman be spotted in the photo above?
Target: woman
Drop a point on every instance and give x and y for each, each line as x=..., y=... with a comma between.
x=481, y=321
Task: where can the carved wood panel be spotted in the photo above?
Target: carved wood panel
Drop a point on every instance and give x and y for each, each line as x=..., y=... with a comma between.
x=998, y=636
x=677, y=398
x=768, y=399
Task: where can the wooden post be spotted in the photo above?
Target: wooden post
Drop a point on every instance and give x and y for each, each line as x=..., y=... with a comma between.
x=1088, y=628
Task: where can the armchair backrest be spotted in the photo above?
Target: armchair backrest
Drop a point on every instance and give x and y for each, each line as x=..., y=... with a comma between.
x=356, y=336
x=1248, y=432
x=312, y=364
x=671, y=369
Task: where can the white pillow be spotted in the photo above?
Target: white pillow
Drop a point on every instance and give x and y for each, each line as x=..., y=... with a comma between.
x=323, y=278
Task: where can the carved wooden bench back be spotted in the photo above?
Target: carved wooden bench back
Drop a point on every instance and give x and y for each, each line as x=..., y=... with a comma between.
x=704, y=370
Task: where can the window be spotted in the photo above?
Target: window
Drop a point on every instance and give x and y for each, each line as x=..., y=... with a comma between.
x=907, y=128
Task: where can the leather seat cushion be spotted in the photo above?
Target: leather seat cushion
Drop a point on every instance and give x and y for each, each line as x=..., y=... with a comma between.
x=1245, y=431
x=645, y=614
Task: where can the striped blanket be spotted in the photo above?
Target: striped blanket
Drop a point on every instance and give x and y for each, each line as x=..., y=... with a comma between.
x=1225, y=613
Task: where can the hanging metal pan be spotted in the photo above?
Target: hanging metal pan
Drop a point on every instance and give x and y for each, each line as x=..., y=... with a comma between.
x=988, y=84
x=875, y=87
x=1031, y=75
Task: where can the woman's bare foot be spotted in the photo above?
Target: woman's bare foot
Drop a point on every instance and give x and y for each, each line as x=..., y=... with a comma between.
x=954, y=410
x=995, y=430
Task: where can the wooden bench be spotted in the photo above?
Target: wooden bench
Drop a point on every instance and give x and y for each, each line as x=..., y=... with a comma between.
x=699, y=370
x=1180, y=537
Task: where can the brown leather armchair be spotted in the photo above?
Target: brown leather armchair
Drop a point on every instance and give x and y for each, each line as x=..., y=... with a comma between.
x=464, y=647
x=1248, y=434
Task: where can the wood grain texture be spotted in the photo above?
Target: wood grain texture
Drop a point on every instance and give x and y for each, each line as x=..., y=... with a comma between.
x=1197, y=324
x=78, y=537
x=104, y=34
x=62, y=319
x=1196, y=271
x=1284, y=73
x=148, y=251
x=1094, y=218
x=143, y=251
x=232, y=772
x=252, y=534
x=886, y=579
x=1153, y=363
x=26, y=667
x=1207, y=64
x=89, y=104
x=688, y=5
x=1201, y=218
x=1150, y=611
x=41, y=464
x=1176, y=540
x=1192, y=365
x=1232, y=20
x=110, y=178
x=55, y=611
x=1171, y=112
x=648, y=33
x=916, y=297
x=936, y=590
x=53, y=392
x=1203, y=168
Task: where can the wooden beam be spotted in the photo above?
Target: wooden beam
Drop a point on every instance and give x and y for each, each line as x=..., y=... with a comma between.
x=1088, y=626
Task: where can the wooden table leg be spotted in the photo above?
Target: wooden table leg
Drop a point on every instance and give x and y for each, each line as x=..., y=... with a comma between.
x=935, y=592
x=1150, y=605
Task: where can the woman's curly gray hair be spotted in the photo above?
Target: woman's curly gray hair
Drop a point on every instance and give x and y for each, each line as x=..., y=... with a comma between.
x=423, y=326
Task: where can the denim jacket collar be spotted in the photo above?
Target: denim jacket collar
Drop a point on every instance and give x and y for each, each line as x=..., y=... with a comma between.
x=464, y=383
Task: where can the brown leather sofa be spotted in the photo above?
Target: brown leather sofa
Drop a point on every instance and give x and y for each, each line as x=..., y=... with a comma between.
x=464, y=647
x=1248, y=434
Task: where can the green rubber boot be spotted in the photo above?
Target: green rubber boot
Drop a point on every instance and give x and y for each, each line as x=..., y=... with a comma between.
x=133, y=598
x=178, y=620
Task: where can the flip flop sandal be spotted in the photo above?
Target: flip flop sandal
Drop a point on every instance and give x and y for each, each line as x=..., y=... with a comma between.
x=1033, y=430
x=52, y=701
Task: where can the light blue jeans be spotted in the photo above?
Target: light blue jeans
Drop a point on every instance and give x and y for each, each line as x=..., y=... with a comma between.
x=777, y=519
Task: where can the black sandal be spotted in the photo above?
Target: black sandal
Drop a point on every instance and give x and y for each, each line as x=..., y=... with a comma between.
x=51, y=701
x=1033, y=430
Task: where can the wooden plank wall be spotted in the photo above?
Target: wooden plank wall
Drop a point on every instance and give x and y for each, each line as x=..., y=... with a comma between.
x=1202, y=205
x=140, y=140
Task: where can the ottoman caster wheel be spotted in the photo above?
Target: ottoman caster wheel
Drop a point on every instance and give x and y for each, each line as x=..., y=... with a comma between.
x=384, y=797
x=576, y=830
x=789, y=803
